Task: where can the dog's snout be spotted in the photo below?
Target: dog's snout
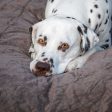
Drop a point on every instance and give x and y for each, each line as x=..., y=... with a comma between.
x=42, y=67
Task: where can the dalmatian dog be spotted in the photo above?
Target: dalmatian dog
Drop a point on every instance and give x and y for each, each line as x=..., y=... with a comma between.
x=70, y=33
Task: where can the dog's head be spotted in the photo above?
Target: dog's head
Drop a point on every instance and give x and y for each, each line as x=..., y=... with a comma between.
x=57, y=41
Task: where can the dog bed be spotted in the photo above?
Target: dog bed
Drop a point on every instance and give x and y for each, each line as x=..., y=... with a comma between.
x=88, y=89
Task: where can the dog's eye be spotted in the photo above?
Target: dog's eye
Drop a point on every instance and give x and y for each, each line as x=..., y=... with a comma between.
x=63, y=47
x=42, y=42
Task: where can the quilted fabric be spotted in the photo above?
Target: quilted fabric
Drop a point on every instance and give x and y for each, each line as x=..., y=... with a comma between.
x=88, y=89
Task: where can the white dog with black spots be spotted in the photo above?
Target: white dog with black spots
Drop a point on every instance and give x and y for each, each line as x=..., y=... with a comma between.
x=70, y=33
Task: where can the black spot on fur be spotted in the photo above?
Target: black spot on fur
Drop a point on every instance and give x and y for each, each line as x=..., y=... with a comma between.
x=110, y=31
x=96, y=27
x=82, y=49
x=70, y=17
x=98, y=34
x=88, y=45
x=80, y=30
x=107, y=11
x=91, y=10
x=45, y=38
x=105, y=46
x=85, y=28
x=89, y=20
x=106, y=1
x=45, y=59
x=108, y=17
x=96, y=6
x=51, y=71
x=54, y=10
x=52, y=62
x=106, y=21
x=43, y=54
x=73, y=18
x=99, y=16
x=100, y=24
x=107, y=40
x=52, y=1
x=40, y=35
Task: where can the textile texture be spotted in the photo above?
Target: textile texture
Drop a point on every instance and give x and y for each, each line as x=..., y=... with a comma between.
x=88, y=89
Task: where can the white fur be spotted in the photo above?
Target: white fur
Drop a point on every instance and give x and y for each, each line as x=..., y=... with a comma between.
x=58, y=28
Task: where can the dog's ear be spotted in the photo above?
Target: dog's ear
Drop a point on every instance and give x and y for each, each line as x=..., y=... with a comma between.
x=33, y=31
x=88, y=38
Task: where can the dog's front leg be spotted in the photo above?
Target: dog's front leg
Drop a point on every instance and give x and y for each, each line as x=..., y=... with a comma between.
x=80, y=61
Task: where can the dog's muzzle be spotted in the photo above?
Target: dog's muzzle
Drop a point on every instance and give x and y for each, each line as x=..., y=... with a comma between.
x=41, y=68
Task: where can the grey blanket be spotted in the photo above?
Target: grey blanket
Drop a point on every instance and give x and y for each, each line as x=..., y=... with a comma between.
x=88, y=89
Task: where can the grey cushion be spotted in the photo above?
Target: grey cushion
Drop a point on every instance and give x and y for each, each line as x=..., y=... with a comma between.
x=88, y=89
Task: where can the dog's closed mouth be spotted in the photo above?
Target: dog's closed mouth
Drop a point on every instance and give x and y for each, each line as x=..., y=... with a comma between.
x=41, y=73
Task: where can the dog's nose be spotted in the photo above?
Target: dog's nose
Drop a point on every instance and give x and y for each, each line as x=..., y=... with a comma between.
x=42, y=67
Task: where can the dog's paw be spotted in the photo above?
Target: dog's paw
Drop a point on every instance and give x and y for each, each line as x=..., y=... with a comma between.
x=75, y=64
